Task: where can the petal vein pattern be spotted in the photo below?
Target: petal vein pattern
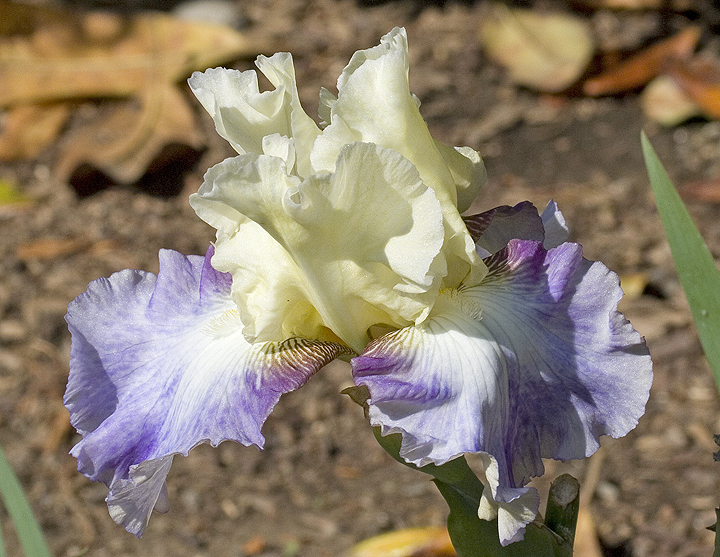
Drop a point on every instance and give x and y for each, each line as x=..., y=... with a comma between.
x=357, y=247
x=159, y=365
x=541, y=371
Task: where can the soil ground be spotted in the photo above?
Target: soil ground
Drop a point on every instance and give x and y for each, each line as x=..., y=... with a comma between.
x=322, y=483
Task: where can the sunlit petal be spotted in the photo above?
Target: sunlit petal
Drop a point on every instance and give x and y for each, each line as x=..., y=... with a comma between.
x=556, y=231
x=514, y=507
x=374, y=104
x=244, y=116
x=534, y=362
x=361, y=246
x=159, y=365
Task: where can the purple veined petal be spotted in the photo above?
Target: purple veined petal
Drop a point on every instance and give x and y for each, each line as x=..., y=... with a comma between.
x=158, y=365
x=535, y=362
x=492, y=230
x=556, y=231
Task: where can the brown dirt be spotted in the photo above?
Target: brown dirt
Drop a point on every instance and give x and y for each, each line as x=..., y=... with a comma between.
x=322, y=483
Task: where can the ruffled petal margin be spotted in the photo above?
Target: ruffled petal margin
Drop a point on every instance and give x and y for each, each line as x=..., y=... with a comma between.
x=245, y=116
x=159, y=365
x=534, y=362
x=360, y=246
x=375, y=105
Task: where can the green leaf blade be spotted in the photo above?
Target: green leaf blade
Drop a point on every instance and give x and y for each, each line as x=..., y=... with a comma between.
x=2, y=544
x=31, y=537
x=695, y=265
x=473, y=537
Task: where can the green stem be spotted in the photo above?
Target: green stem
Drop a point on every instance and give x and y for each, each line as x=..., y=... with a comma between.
x=563, y=507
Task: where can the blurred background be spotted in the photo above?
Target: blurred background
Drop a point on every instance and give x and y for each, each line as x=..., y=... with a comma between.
x=101, y=143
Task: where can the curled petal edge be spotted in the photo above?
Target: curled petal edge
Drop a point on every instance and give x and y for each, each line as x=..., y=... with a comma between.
x=150, y=356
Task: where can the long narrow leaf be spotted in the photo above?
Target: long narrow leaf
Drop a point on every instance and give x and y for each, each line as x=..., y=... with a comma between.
x=28, y=531
x=695, y=265
x=2, y=544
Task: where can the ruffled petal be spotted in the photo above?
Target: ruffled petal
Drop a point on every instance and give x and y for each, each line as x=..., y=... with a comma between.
x=493, y=229
x=244, y=116
x=534, y=362
x=468, y=172
x=361, y=246
x=159, y=365
x=442, y=384
x=374, y=105
x=268, y=287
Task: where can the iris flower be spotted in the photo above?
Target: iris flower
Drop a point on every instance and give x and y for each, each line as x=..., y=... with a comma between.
x=487, y=334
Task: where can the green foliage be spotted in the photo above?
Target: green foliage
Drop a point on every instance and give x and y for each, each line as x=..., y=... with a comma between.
x=563, y=507
x=471, y=536
x=695, y=265
x=11, y=493
x=2, y=544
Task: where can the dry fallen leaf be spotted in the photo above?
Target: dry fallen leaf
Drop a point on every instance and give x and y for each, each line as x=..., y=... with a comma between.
x=73, y=59
x=587, y=543
x=700, y=80
x=663, y=101
x=703, y=190
x=410, y=542
x=689, y=88
x=546, y=51
x=27, y=130
x=50, y=248
x=633, y=285
x=103, y=55
x=123, y=141
x=254, y=546
x=641, y=68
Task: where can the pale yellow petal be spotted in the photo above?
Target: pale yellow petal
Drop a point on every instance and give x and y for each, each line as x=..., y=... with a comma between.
x=375, y=105
x=244, y=116
x=360, y=246
x=268, y=287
